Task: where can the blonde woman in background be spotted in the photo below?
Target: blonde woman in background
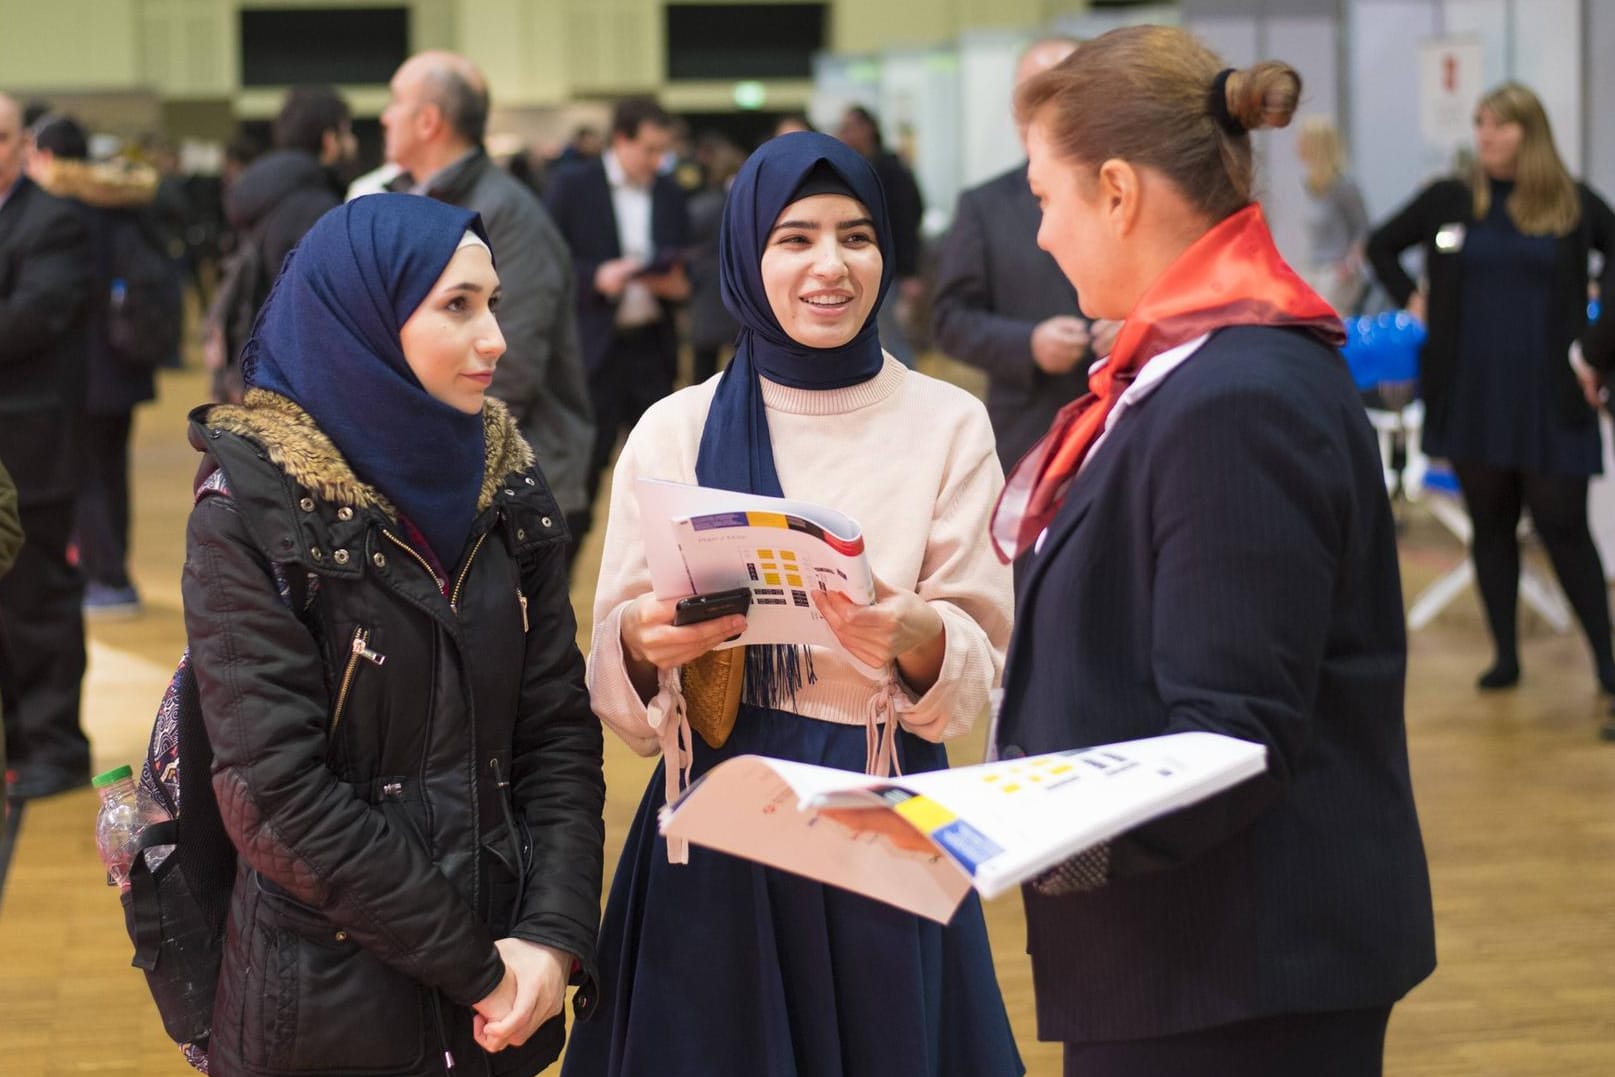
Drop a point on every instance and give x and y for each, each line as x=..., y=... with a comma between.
x=1336, y=220
x=1506, y=253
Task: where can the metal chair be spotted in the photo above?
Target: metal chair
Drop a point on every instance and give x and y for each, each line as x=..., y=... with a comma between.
x=1383, y=355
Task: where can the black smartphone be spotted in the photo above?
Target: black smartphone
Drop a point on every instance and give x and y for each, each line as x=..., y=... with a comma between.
x=664, y=262
x=705, y=607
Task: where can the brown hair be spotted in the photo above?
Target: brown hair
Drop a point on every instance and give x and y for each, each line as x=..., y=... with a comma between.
x=1143, y=94
x=1545, y=201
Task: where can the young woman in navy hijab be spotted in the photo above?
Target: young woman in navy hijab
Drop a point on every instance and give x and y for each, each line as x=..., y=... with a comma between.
x=376, y=601
x=714, y=966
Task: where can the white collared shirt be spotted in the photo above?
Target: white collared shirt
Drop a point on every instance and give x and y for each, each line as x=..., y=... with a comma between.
x=1154, y=371
x=632, y=207
x=1150, y=376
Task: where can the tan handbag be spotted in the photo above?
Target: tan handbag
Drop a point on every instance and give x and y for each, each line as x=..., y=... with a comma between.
x=712, y=693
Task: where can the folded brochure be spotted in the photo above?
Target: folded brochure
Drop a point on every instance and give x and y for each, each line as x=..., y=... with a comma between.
x=699, y=540
x=921, y=841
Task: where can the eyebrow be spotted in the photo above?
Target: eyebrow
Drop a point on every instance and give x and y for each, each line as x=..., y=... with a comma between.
x=813, y=226
x=466, y=286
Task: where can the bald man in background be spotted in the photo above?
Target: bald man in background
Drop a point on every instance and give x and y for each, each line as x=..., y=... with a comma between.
x=1002, y=304
x=435, y=121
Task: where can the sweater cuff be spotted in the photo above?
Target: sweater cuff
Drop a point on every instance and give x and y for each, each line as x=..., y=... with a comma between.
x=612, y=693
x=938, y=715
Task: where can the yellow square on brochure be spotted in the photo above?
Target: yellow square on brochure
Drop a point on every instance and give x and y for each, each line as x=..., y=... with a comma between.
x=924, y=813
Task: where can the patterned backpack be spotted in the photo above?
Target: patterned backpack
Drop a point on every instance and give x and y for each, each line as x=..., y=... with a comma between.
x=179, y=884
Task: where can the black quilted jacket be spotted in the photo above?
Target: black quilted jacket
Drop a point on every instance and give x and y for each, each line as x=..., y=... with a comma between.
x=407, y=776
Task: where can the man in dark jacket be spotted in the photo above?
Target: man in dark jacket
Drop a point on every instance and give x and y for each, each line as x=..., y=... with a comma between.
x=282, y=193
x=44, y=273
x=861, y=130
x=115, y=204
x=274, y=201
x=1003, y=306
x=622, y=218
x=435, y=121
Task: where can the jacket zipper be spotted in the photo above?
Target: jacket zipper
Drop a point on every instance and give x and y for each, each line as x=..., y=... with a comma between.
x=359, y=648
x=523, y=600
x=419, y=560
x=465, y=570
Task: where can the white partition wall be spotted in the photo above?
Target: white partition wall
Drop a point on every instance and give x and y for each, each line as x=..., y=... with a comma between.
x=840, y=82
x=919, y=116
x=1304, y=34
x=989, y=143
x=1598, y=79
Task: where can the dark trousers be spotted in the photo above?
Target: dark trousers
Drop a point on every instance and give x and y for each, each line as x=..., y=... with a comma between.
x=103, y=505
x=1558, y=504
x=636, y=372
x=1345, y=1043
x=42, y=649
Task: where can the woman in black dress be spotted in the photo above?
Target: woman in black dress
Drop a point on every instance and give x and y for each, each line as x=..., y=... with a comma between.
x=1506, y=253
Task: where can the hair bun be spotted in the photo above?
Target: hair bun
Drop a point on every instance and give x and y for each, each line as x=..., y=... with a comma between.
x=1262, y=95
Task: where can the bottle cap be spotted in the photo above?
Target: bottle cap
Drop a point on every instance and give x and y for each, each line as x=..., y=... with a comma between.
x=115, y=775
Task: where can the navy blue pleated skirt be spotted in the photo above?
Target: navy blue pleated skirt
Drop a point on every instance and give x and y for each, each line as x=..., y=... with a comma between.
x=724, y=968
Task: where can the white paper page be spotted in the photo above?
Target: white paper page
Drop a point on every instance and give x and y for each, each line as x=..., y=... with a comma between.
x=700, y=540
x=747, y=807
x=1009, y=820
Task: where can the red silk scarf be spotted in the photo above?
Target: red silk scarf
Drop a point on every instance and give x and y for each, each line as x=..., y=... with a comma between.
x=1232, y=275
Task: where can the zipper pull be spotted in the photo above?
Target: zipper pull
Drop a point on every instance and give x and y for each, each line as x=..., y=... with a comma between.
x=523, y=600
x=361, y=648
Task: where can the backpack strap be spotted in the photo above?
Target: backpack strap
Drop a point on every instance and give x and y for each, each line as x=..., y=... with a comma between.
x=145, y=910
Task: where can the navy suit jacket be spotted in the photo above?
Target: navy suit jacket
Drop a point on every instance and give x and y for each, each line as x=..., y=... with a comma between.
x=1227, y=562
x=993, y=286
x=579, y=199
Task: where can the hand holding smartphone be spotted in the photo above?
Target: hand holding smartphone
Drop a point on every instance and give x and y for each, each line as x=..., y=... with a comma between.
x=698, y=608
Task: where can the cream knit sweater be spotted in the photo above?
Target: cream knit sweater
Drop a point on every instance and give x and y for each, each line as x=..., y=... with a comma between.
x=911, y=459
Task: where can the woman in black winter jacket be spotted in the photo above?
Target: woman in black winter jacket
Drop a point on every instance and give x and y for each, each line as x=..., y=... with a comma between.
x=376, y=599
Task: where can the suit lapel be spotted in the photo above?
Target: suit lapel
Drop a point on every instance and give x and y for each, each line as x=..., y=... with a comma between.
x=1086, y=488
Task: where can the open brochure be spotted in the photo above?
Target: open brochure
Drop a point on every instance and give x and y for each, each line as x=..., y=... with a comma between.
x=921, y=841
x=699, y=540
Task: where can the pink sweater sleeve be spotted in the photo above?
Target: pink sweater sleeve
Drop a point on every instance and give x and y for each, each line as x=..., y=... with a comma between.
x=964, y=581
x=624, y=576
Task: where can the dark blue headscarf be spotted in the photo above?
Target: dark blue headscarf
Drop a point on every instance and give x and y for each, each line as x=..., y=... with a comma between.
x=736, y=453
x=327, y=338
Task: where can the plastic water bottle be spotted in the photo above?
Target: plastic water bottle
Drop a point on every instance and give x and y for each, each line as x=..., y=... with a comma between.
x=118, y=824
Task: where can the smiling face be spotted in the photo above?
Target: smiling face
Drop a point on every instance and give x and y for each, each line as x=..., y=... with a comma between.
x=452, y=342
x=821, y=269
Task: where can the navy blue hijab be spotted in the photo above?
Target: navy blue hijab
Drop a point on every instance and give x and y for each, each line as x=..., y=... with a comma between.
x=736, y=453
x=327, y=338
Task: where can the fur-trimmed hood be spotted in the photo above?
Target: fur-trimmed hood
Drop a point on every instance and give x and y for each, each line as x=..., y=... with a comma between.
x=302, y=450
x=103, y=184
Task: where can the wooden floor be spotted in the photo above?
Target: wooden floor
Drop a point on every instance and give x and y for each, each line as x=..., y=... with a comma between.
x=1516, y=793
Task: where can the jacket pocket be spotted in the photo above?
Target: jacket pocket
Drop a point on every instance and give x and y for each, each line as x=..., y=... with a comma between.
x=360, y=654
x=328, y=1006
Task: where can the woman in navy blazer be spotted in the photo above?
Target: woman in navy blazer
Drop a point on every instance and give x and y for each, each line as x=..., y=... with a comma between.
x=1209, y=547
